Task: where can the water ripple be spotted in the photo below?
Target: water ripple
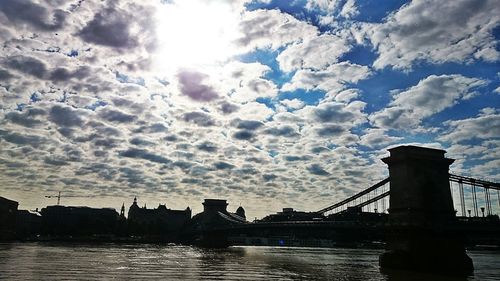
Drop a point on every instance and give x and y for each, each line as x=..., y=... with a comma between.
x=58, y=261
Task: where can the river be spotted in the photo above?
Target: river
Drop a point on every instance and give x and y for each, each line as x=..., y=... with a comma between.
x=60, y=261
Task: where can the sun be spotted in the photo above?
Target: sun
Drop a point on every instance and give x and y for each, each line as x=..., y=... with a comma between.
x=194, y=34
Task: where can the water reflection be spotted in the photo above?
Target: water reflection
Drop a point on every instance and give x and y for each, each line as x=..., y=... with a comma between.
x=394, y=275
x=34, y=261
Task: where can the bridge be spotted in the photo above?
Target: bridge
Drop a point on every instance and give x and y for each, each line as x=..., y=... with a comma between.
x=421, y=212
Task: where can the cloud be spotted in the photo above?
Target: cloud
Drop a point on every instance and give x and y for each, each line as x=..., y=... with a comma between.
x=292, y=158
x=141, y=142
x=336, y=112
x=144, y=154
x=27, y=118
x=114, y=115
x=228, y=108
x=63, y=74
x=5, y=75
x=152, y=129
x=334, y=77
x=344, y=96
x=244, y=135
x=314, y=53
x=292, y=104
x=191, y=85
x=28, y=65
x=331, y=11
x=327, y=6
x=430, y=96
x=207, y=146
x=438, y=32
x=132, y=176
x=34, y=15
x=66, y=116
x=269, y=177
x=255, y=111
x=199, y=118
x=184, y=165
x=272, y=28
x=378, y=138
x=331, y=130
x=86, y=107
x=221, y=165
x=23, y=139
x=286, y=131
x=316, y=169
x=245, y=82
x=54, y=161
x=122, y=28
x=250, y=125
x=349, y=9
x=106, y=142
x=37, y=67
x=485, y=125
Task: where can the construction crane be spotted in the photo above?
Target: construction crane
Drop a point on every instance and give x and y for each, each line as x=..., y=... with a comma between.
x=58, y=196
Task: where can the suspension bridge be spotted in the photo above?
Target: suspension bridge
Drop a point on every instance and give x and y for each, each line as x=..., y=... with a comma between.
x=416, y=212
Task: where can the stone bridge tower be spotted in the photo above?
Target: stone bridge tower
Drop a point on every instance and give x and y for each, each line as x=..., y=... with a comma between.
x=421, y=214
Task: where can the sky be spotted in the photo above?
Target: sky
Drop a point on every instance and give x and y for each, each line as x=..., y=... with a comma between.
x=268, y=104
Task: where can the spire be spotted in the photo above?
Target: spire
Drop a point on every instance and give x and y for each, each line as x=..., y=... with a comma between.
x=135, y=200
x=122, y=211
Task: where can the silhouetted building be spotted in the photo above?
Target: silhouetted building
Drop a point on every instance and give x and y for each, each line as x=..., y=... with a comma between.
x=28, y=224
x=214, y=205
x=78, y=221
x=241, y=212
x=8, y=210
x=121, y=225
x=213, y=208
x=159, y=221
x=213, y=217
x=289, y=214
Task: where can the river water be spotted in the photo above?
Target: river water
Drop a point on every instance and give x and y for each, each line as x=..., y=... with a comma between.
x=59, y=261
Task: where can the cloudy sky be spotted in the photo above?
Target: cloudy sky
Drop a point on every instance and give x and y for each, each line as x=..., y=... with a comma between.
x=268, y=104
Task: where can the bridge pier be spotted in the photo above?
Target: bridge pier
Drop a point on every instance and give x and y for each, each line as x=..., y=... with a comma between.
x=421, y=214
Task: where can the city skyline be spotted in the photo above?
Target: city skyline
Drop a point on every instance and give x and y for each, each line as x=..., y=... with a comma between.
x=268, y=104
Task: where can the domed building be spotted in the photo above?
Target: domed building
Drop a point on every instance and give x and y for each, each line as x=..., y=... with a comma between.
x=241, y=212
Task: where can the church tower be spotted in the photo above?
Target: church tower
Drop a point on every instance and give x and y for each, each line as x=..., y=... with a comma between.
x=122, y=211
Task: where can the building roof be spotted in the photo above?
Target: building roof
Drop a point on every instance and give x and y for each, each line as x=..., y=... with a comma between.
x=8, y=201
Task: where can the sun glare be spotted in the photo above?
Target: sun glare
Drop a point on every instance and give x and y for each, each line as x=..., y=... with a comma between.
x=195, y=34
